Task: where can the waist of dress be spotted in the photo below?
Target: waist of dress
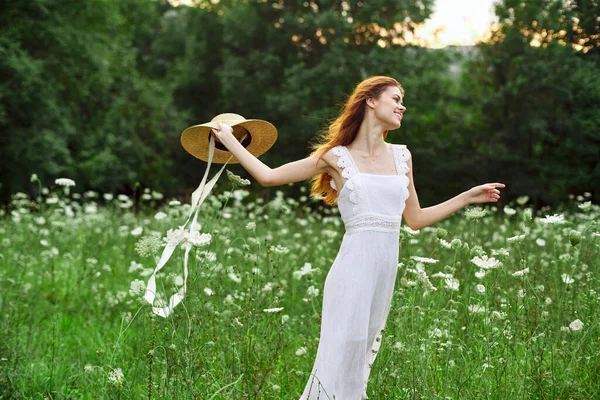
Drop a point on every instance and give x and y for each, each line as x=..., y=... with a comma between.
x=373, y=222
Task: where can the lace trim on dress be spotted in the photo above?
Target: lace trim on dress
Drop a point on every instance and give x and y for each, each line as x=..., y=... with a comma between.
x=402, y=155
x=373, y=222
x=357, y=195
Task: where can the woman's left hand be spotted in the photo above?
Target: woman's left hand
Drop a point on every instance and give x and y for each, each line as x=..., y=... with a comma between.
x=485, y=193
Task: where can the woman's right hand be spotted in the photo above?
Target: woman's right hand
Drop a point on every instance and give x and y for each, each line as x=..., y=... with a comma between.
x=223, y=133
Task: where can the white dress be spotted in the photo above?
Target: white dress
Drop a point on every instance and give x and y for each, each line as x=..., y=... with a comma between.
x=359, y=286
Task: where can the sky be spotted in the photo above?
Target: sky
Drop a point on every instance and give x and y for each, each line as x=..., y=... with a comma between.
x=460, y=22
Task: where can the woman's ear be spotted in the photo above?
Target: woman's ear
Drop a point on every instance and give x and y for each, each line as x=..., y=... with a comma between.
x=370, y=102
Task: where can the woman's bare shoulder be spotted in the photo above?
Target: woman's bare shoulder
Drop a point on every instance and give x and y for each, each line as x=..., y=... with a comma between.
x=330, y=160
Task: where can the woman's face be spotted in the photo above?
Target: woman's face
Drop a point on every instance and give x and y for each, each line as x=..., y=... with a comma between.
x=388, y=108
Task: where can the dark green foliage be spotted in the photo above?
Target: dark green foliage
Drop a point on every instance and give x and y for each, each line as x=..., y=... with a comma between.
x=101, y=91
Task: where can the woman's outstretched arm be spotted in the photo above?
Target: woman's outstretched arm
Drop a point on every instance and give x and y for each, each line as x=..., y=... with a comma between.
x=417, y=217
x=295, y=171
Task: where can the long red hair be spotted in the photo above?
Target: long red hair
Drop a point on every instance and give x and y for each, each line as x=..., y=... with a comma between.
x=343, y=130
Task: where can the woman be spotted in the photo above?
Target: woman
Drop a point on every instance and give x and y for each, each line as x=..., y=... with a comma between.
x=376, y=190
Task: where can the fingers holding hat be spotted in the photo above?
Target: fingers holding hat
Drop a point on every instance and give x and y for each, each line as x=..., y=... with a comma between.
x=222, y=131
x=216, y=134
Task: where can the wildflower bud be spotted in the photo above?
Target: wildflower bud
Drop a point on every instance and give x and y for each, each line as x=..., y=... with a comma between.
x=466, y=246
x=456, y=244
x=476, y=250
x=237, y=180
x=34, y=177
x=527, y=215
x=441, y=233
x=575, y=237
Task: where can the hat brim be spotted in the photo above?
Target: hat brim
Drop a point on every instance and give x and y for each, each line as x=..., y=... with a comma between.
x=261, y=137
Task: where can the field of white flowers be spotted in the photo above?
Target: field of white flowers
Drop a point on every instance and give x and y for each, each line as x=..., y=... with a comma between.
x=495, y=302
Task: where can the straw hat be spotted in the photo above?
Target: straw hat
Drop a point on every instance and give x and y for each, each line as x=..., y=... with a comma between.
x=261, y=135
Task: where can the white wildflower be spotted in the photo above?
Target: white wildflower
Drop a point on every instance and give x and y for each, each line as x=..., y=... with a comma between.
x=576, y=325
x=485, y=262
x=116, y=377
x=500, y=252
x=421, y=275
x=424, y=259
x=522, y=200
x=329, y=233
x=178, y=280
x=272, y=310
x=521, y=272
x=305, y=270
x=409, y=231
x=476, y=308
x=452, y=283
x=553, y=219
x=480, y=288
x=480, y=274
x=66, y=182
x=149, y=244
x=160, y=215
x=175, y=237
x=208, y=291
x=234, y=277
x=445, y=243
x=509, y=211
x=567, y=279
x=312, y=291
x=437, y=332
x=301, y=351
x=195, y=238
x=515, y=239
x=540, y=242
x=475, y=213
x=279, y=249
x=137, y=231
x=133, y=267
x=585, y=206
x=442, y=275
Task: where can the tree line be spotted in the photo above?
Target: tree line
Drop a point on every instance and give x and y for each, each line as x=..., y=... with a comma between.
x=100, y=91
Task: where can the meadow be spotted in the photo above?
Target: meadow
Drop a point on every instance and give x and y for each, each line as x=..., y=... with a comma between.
x=495, y=302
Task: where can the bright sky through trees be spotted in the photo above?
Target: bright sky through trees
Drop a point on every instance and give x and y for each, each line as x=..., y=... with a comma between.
x=457, y=22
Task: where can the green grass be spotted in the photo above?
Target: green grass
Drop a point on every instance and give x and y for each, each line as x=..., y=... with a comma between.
x=68, y=319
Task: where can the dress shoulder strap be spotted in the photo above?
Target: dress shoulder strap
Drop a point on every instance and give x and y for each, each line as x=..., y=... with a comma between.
x=401, y=156
x=345, y=161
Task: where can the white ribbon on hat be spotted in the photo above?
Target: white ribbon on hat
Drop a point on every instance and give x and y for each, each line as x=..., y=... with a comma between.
x=198, y=197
